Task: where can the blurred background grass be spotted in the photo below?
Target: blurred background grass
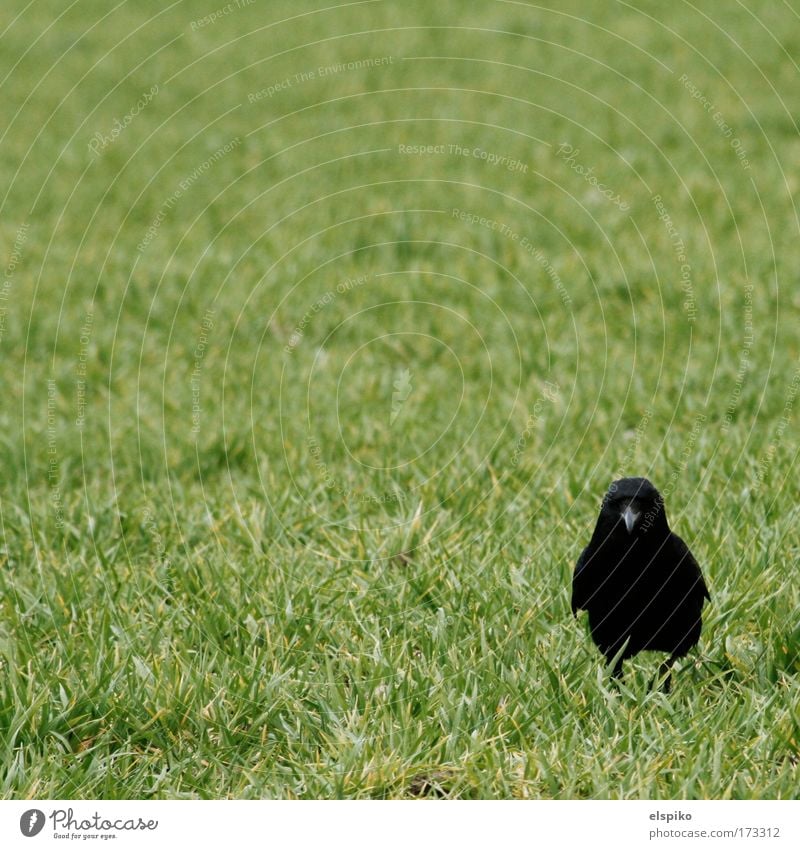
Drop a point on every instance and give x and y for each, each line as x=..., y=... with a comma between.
x=225, y=569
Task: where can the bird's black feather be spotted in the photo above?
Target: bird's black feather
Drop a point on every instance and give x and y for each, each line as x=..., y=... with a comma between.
x=639, y=582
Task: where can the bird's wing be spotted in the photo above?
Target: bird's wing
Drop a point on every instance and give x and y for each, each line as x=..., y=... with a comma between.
x=691, y=566
x=580, y=588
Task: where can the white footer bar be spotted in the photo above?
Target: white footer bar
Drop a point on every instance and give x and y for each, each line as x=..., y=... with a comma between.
x=403, y=824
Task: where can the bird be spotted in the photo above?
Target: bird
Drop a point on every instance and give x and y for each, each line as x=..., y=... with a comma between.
x=638, y=581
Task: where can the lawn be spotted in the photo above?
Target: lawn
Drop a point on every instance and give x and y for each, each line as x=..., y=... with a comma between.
x=325, y=327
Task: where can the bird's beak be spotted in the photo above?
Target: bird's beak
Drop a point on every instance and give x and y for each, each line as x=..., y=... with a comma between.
x=631, y=517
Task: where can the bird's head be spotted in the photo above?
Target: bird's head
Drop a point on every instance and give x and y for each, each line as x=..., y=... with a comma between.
x=633, y=506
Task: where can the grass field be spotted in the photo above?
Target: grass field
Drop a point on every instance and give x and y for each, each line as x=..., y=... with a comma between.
x=325, y=327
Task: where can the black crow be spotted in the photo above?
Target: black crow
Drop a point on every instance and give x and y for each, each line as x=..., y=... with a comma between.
x=638, y=581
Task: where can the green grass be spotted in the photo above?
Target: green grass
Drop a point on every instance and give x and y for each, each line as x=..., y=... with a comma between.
x=232, y=563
